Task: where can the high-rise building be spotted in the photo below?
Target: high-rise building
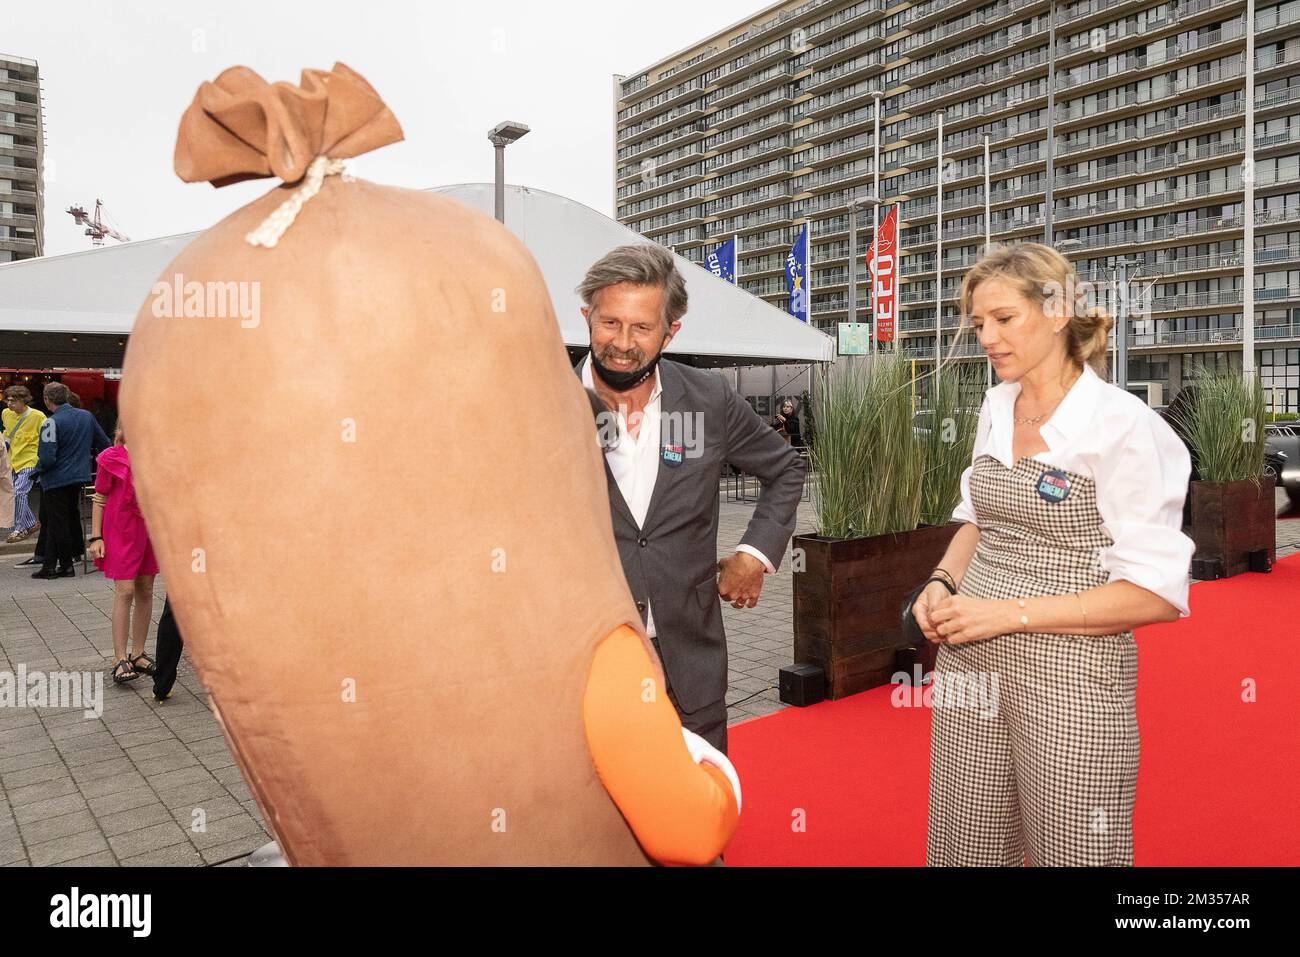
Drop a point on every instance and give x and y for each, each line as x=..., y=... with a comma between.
x=769, y=124
x=22, y=151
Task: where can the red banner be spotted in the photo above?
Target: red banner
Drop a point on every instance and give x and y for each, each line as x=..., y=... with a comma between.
x=884, y=270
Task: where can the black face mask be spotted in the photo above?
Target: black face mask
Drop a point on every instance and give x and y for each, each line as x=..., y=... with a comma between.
x=624, y=381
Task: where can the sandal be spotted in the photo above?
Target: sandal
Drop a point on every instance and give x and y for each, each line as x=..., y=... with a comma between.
x=123, y=671
x=148, y=667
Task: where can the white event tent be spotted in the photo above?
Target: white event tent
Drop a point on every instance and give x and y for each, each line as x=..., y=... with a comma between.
x=100, y=291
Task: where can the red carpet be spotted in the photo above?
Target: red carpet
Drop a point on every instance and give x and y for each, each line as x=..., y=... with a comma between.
x=1218, y=783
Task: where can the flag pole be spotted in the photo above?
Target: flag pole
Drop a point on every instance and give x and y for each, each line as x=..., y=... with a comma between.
x=807, y=269
x=938, y=247
x=988, y=242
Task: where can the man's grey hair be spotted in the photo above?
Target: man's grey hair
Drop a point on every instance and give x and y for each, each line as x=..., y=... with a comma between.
x=56, y=393
x=644, y=264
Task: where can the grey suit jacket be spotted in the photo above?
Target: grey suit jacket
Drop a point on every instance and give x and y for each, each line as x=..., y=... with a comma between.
x=671, y=563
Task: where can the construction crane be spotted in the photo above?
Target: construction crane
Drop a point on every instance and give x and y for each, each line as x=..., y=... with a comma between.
x=95, y=227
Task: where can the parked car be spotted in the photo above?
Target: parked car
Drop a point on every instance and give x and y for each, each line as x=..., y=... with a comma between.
x=1282, y=455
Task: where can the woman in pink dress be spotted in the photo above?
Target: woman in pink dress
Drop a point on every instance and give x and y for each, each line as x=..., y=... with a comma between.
x=120, y=546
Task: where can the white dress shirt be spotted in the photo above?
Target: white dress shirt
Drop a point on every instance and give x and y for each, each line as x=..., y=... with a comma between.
x=634, y=463
x=1140, y=467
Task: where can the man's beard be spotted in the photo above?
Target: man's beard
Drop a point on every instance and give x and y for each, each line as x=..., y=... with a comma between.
x=624, y=381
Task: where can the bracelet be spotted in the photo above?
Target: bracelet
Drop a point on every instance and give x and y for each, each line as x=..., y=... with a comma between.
x=92, y=541
x=947, y=574
x=1024, y=619
x=952, y=589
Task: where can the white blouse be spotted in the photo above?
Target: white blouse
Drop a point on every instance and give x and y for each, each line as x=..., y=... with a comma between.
x=1140, y=466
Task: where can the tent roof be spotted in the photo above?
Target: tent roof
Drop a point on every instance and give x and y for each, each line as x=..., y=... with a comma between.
x=101, y=290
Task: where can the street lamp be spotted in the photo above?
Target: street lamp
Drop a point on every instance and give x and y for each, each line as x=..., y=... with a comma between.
x=502, y=135
x=1122, y=297
x=856, y=203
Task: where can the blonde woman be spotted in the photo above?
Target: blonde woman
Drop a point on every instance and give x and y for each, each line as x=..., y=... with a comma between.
x=1072, y=512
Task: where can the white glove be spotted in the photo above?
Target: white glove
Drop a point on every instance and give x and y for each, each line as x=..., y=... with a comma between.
x=704, y=753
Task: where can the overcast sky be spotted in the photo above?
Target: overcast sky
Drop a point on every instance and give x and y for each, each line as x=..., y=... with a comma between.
x=118, y=74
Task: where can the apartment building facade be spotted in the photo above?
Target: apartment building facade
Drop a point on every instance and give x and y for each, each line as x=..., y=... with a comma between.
x=770, y=124
x=22, y=149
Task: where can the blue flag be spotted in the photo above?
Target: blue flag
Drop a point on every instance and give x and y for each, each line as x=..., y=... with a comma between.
x=722, y=261
x=796, y=275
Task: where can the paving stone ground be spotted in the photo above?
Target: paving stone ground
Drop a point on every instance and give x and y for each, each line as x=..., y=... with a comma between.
x=129, y=787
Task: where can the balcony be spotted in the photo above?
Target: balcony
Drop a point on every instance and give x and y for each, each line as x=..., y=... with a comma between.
x=1145, y=167
x=850, y=71
x=651, y=167
x=687, y=134
x=739, y=157
x=829, y=153
x=859, y=172
x=653, y=182
x=833, y=226
x=1165, y=198
x=838, y=99
x=1267, y=21
x=772, y=76
x=828, y=129
x=673, y=117
x=777, y=215
x=1124, y=99
x=692, y=87
x=1198, y=337
x=749, y=178
x=739, y=202
x=660, y=204
x=740, y=135
x=1195, y=227
x=864, y=11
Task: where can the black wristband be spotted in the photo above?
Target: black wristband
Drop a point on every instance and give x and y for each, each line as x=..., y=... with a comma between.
x=97, y=538
x=952, y=589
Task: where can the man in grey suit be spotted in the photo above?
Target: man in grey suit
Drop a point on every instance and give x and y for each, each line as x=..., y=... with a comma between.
x=669, y=431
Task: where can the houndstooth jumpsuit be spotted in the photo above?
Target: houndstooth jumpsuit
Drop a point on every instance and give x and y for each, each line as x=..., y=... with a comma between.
x=1050, y=772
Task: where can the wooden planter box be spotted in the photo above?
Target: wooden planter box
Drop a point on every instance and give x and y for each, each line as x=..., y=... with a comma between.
x=847, y=603
x=1232, y=519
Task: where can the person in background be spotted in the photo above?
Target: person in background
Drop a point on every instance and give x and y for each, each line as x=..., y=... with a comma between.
x=69, y=438
x=787, y=423
x=119, y=544
x=22, y=432
x=6, y=486
x=169, y=647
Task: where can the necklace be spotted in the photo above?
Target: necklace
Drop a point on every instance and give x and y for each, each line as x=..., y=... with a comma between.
x=1039, y=418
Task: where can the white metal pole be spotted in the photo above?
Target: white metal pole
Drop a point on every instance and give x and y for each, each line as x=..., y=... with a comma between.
x=1248, y=235
x=807, y=268
x=988, y=241
x=875, y=209
x=1114, y=336
x=1121, y=326
x=1051, y=123
x=618, y=94
x=938, y=245
x=853, y=256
